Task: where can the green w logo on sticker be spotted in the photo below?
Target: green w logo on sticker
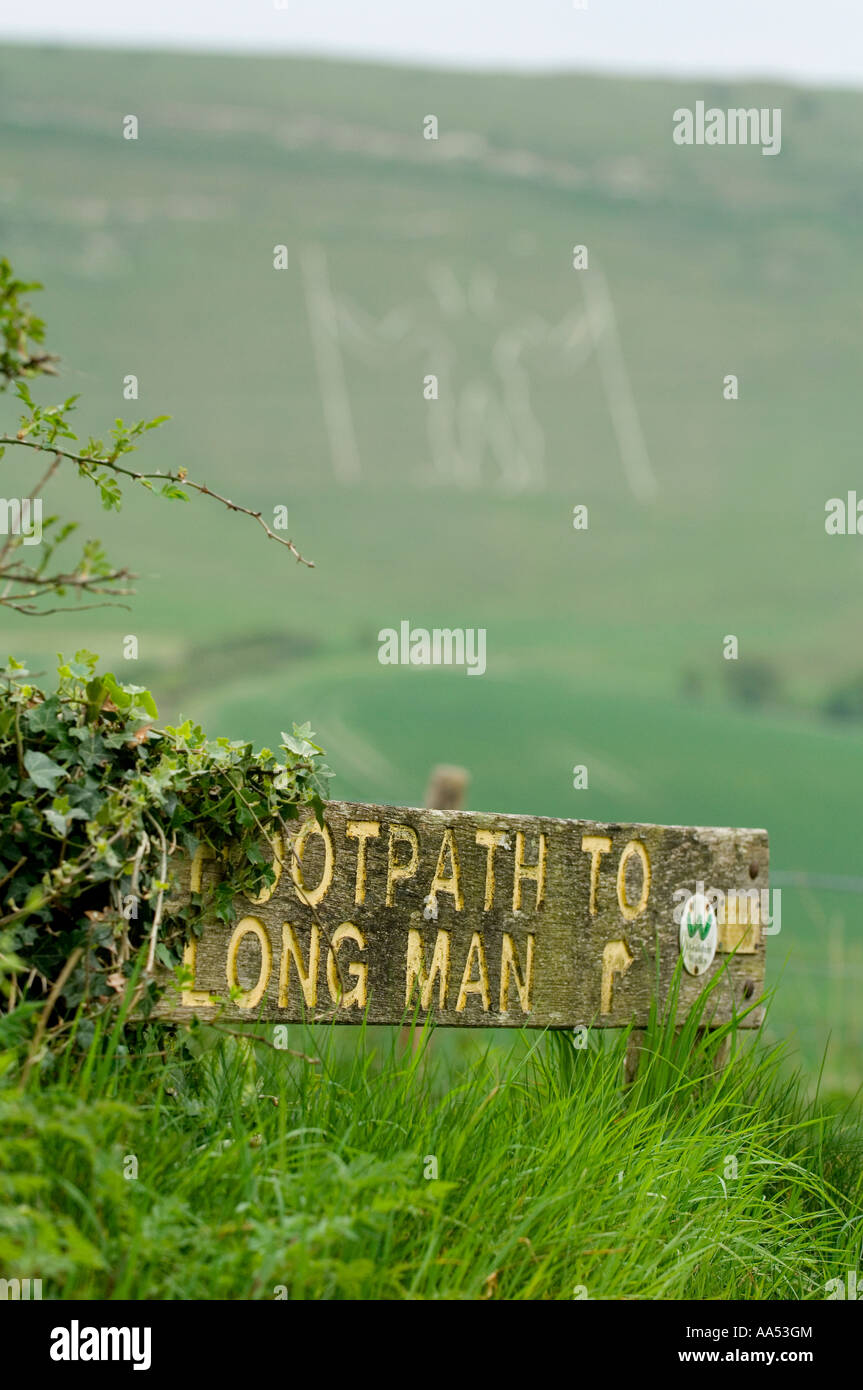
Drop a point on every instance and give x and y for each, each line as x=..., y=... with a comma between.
x=698, y=934
x=702, y=927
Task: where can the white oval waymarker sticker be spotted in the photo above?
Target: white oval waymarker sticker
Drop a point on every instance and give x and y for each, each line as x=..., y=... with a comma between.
x=698, y=934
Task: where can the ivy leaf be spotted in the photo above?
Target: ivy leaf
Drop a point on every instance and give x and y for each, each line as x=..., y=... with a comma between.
x=35, y=898
x=300, y=746
x=60, y=820
x=44, y=719
x=43, y=770
x=119, y=791
x=96, y=692
x=126, y=697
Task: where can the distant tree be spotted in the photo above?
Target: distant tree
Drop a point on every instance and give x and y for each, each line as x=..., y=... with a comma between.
x=846, y=701
x=752, y=682
x=691, y=684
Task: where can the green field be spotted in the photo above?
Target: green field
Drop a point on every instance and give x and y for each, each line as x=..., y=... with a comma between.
x=157, y=255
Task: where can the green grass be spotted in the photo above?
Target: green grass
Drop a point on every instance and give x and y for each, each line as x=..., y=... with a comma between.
x=382, y=1165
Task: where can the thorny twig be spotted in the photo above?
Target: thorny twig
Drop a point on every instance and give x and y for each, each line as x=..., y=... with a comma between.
x=180, y=478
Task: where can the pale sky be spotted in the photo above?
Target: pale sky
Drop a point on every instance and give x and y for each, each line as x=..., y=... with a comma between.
x=811, y=41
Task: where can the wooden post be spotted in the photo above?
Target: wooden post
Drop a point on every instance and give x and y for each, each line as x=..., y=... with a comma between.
x=447, y=788
x=635, y=1052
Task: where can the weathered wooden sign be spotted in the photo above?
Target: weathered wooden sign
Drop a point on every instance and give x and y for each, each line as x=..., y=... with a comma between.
x=486, y=921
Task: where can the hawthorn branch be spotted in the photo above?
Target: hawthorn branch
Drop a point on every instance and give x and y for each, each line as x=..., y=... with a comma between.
x=41, y=585
x=30, y=611
x=78, y=579
x=46, y=478
x=256, y=1037
x=157, y=915
x=32, y=364
x=46, y=1012
x=88, y=461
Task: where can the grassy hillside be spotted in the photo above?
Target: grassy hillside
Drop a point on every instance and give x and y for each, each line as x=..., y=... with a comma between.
x=454, y=257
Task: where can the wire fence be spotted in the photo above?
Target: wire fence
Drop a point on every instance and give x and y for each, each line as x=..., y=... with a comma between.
x=801, y=878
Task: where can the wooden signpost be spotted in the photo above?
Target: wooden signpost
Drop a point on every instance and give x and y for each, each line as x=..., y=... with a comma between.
x=485, y=921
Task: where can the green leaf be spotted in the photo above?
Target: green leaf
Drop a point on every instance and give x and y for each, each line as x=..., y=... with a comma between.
x=127, y=697
x=43, y=771
x=35, y=898
x=60, y=820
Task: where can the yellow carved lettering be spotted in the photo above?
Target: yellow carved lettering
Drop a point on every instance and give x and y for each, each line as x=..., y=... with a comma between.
x=194, y=998
x=269, y=889
x=362, y=831
x=478, y=985
x=307, y=976
x=616, y=960
x=452, y=882
x=196, y=870
x=594, y=845
x=416, y=969
x=315, y=895
x=397, y=872
x=249, y=926
x=628, y=910
x=738, y=919
x=359, y=970
x=509, y=964
x=490, y=839
x=535, y=872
